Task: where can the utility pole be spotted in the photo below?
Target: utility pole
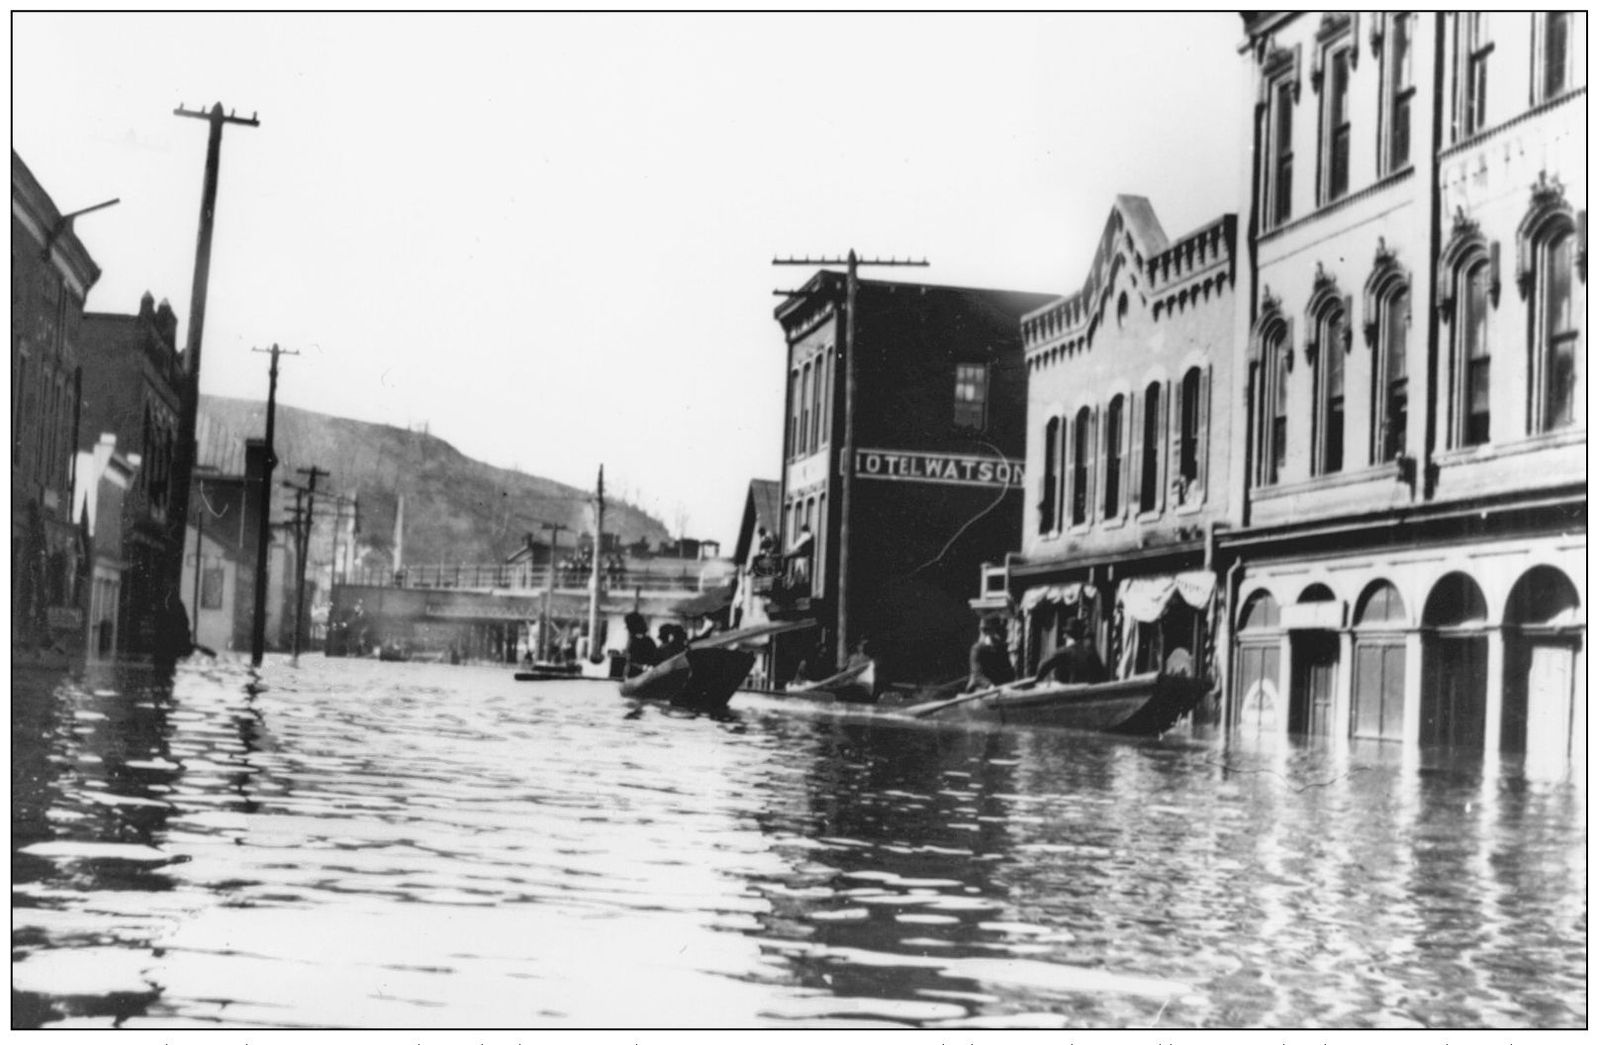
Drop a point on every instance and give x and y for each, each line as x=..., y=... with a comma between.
x=264, y=537
x=296, y=520
x=850, y=392
x=548, y=596
x=593, y=581
x=304, y=551
x=184, y=451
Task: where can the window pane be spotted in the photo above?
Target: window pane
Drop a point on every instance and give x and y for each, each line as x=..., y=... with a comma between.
x=1402, y=57
x=1112, y=454
x=1559, y=352
x=1555, y=71
x=1400, y=130
x=1149, y=494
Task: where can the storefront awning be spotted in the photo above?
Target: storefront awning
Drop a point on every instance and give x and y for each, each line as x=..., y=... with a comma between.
x=1059, y=594
x=1146, y=598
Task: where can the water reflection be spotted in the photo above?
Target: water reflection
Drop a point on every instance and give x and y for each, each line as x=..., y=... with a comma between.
x=363, y=844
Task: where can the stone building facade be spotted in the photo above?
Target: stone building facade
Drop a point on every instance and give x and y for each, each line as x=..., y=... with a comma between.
x=51, y=275
x=1411, y=566
x=1127, y=450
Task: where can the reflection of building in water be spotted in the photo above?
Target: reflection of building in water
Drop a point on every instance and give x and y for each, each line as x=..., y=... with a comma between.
x=1413, y=568
x=1127, y=450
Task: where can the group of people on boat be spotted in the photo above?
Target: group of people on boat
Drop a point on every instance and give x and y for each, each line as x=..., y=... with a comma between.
x=644, y=652
x=1077, y=661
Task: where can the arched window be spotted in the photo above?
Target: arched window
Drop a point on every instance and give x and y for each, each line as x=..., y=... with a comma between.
x=1555, y=330
x=1050, y=476
x=1387, y=319
x=1472, y=357
x=1114, y=456
x=1152, y=404
x=1190, y=431
x=1330, y=392
x=1081, y=467
x=1260, y=611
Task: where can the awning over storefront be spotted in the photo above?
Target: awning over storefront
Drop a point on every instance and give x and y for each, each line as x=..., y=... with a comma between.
x=1146, y=598
x=1058, y=594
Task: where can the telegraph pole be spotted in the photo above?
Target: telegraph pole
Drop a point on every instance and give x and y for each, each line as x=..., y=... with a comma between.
x=850, y=392
x=313, y=472
x=548, y=596
x=264, y=537
x=185, y=451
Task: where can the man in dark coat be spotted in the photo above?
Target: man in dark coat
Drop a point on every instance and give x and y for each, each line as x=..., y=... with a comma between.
x=642, y=654
x=1075, y=662
x=989, y=660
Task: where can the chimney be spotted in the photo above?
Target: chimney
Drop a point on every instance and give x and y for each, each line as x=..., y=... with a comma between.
x=166, y=323
x=146, y=305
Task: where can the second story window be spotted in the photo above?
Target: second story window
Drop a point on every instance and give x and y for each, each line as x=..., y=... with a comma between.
x=1081, y=469
x=1557, y=334
x=1272, y=370
x=1189, y=454
x=1397, y=93
x=1390, y=437
x=1331, y=399
x=970, y=395
x=1471, y=49
x=1336, y=125
x=1152, y=414
x=1472, y=358
x=1050, y=476
x=1114, y=456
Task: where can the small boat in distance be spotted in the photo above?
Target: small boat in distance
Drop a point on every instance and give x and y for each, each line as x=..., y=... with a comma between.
x=698, y=679
x=549, y=671
x=1141, y=705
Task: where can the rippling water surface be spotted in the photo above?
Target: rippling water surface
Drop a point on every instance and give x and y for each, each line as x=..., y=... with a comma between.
x=352, y=843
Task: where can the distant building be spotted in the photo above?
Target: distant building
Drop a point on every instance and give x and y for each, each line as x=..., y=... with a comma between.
x=1127, y=450
x=132, y=388
x=934, y=481
x=104, y=476
x=1413, y=567
x=51, y=275
x=758, y=564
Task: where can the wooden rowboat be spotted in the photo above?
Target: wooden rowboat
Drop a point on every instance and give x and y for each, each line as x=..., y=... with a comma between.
x=700, y=679
x=853, y=685
x=1142, y=705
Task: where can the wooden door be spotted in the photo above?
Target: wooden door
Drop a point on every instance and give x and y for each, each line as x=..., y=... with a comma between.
x=1314, y=662
x=1453, y=705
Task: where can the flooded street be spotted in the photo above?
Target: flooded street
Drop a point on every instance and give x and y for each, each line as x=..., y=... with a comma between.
x=363, y=844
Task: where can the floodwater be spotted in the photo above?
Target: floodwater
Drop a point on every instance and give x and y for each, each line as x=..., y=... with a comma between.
x=359, y=844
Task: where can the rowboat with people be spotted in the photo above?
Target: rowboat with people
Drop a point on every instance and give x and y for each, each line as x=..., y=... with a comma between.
x=1141, y=705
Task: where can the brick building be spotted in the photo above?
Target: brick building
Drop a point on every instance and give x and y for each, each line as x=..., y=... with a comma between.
x=51, y=275
x=132, y=382
x=1413, y=563
x=936, y=474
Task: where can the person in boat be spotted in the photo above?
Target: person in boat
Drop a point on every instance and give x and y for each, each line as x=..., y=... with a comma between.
x=673, y=640
x=989, y=658
x=642, y=653
x=1076, y=662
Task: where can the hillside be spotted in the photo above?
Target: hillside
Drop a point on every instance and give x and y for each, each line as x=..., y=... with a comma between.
x=457, y=510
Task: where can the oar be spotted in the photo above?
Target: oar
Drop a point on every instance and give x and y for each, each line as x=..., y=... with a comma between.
x=922, y=710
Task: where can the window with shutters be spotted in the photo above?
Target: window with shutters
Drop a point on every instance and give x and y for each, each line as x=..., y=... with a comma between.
x=1081, y=467
x=1114, y=456
x=1152, y=439
x=1050, y=476
x=1397, y=92
x=1189, y=435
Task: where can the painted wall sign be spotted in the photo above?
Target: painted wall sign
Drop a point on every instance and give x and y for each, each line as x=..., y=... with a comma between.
x=957, y=469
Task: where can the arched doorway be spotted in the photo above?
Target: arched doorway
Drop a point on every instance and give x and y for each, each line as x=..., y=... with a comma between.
x=1258, y=668
x=1453, y=687
x=1315, y=652
x=1542, y=638
x=1379, y=663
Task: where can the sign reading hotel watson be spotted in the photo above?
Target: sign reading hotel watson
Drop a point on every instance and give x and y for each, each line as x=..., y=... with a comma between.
x=960, y=469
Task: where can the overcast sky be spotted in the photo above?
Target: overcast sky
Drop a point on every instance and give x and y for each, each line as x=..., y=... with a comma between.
x=549, y=236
